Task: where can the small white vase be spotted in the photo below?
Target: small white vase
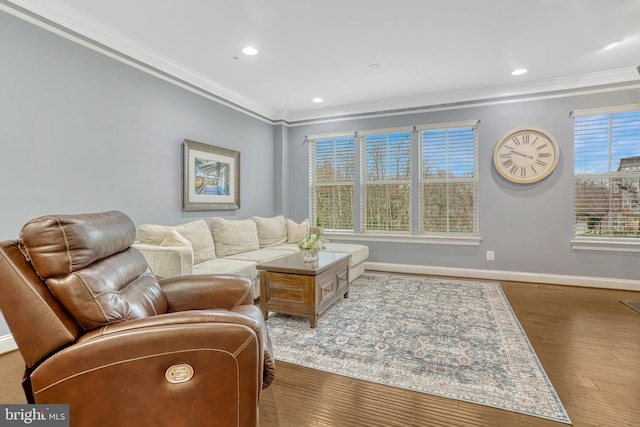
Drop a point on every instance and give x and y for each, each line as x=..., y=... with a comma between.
x=310, y=255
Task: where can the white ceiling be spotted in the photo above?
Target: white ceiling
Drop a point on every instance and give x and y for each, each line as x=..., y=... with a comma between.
x=426, y=52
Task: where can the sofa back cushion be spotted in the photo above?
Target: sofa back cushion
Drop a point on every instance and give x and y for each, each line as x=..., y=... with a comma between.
x=295, y=231
x=271, y=231
x=234, y=236
x=195, y=232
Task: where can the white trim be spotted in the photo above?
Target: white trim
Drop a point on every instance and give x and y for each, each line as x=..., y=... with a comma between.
x=385, y=130
x=544, y=89
x=129, y=51
x=7, y=344
x=605, y=110
x=332, y=135
x=78, y=28
x=606, y=245
x=400, y=238
x=449, y=125
x=550, y=279
x=430, y=107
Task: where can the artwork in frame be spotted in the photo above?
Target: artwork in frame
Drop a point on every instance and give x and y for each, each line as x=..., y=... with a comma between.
x=211, y=177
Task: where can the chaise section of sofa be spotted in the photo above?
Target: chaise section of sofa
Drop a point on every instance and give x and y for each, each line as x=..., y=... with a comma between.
x=230, y=247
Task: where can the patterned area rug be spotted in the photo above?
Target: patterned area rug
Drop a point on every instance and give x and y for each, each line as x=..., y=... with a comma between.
x=455, y=339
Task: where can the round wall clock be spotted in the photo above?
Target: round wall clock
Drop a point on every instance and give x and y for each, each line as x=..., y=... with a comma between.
x=526, y=156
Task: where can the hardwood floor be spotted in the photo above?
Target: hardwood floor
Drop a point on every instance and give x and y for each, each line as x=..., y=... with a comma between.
x=587, y=341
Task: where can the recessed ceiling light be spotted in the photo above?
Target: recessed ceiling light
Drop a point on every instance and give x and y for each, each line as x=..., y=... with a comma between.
x=519, y=72
x=250, y=50
x=610, y=44
x=318, y=100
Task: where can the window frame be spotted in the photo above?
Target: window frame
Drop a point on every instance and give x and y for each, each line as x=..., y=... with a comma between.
x=359, y=232
x=363, y=135
x=312, y=181
x=607, y=243
x=473, y=125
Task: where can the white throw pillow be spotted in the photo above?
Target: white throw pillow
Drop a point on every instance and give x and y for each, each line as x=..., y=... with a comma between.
x=295, y=232
x=197, y=232
x=234, y=236
x=175, y=239
x=271, y=231
x=152, y=234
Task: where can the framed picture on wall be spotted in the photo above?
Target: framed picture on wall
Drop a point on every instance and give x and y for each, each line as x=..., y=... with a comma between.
x=211, y=177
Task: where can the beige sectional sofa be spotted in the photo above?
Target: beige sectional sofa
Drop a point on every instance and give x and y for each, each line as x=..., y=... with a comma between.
x=230, y=246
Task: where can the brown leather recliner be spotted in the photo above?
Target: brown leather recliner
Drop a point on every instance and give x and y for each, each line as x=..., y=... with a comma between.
x=99, y=332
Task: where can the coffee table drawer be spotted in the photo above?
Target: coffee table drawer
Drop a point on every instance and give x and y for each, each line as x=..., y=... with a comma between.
x=287, y=293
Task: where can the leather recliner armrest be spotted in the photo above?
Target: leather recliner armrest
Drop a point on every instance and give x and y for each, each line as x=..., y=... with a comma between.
x=200, y=292
x=204, y=292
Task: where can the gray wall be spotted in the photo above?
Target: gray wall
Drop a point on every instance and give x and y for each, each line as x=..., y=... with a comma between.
x=528, y=227
x=81, y=132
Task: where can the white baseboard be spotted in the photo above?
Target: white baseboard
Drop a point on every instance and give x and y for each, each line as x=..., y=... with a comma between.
x=551, y=279
x=7, y=344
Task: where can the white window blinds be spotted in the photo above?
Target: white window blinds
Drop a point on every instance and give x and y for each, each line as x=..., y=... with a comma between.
x=448, y=181
x=607, y=172
x=331, y=180
x=387, y=180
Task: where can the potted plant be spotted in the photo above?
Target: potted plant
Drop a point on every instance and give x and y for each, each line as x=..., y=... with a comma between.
x=310, y=245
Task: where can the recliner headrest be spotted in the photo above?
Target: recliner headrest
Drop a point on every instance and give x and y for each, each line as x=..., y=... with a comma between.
x=58, y=245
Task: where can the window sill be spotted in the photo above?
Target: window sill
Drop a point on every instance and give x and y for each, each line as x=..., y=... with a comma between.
x=607, y=245
x=399, y=238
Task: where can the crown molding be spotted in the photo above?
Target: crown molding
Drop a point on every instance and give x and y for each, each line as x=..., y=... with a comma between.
x=477, y=96
x=56, y=17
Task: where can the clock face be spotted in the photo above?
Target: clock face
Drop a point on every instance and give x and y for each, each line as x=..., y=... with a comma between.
x=525, y=156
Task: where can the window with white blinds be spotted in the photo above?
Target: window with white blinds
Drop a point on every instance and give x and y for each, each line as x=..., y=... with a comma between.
x=448, y=180
x=607, y=172
x=387, y=180
x=331, y=180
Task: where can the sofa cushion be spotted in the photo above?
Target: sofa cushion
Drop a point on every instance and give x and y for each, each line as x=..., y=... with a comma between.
x=195, y=232
x=359, y=253
x=227, y=266
x=295, y=231
x=271, y=231
x=263, y=255
x=234, y=236
x=199, y=235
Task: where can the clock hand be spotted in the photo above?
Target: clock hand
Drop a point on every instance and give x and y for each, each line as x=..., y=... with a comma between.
x=523, y=155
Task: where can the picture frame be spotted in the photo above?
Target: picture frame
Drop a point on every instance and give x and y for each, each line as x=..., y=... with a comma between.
x=211, y=177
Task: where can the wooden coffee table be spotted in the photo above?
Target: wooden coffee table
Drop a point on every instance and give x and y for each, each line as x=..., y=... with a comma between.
x=291, y=286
